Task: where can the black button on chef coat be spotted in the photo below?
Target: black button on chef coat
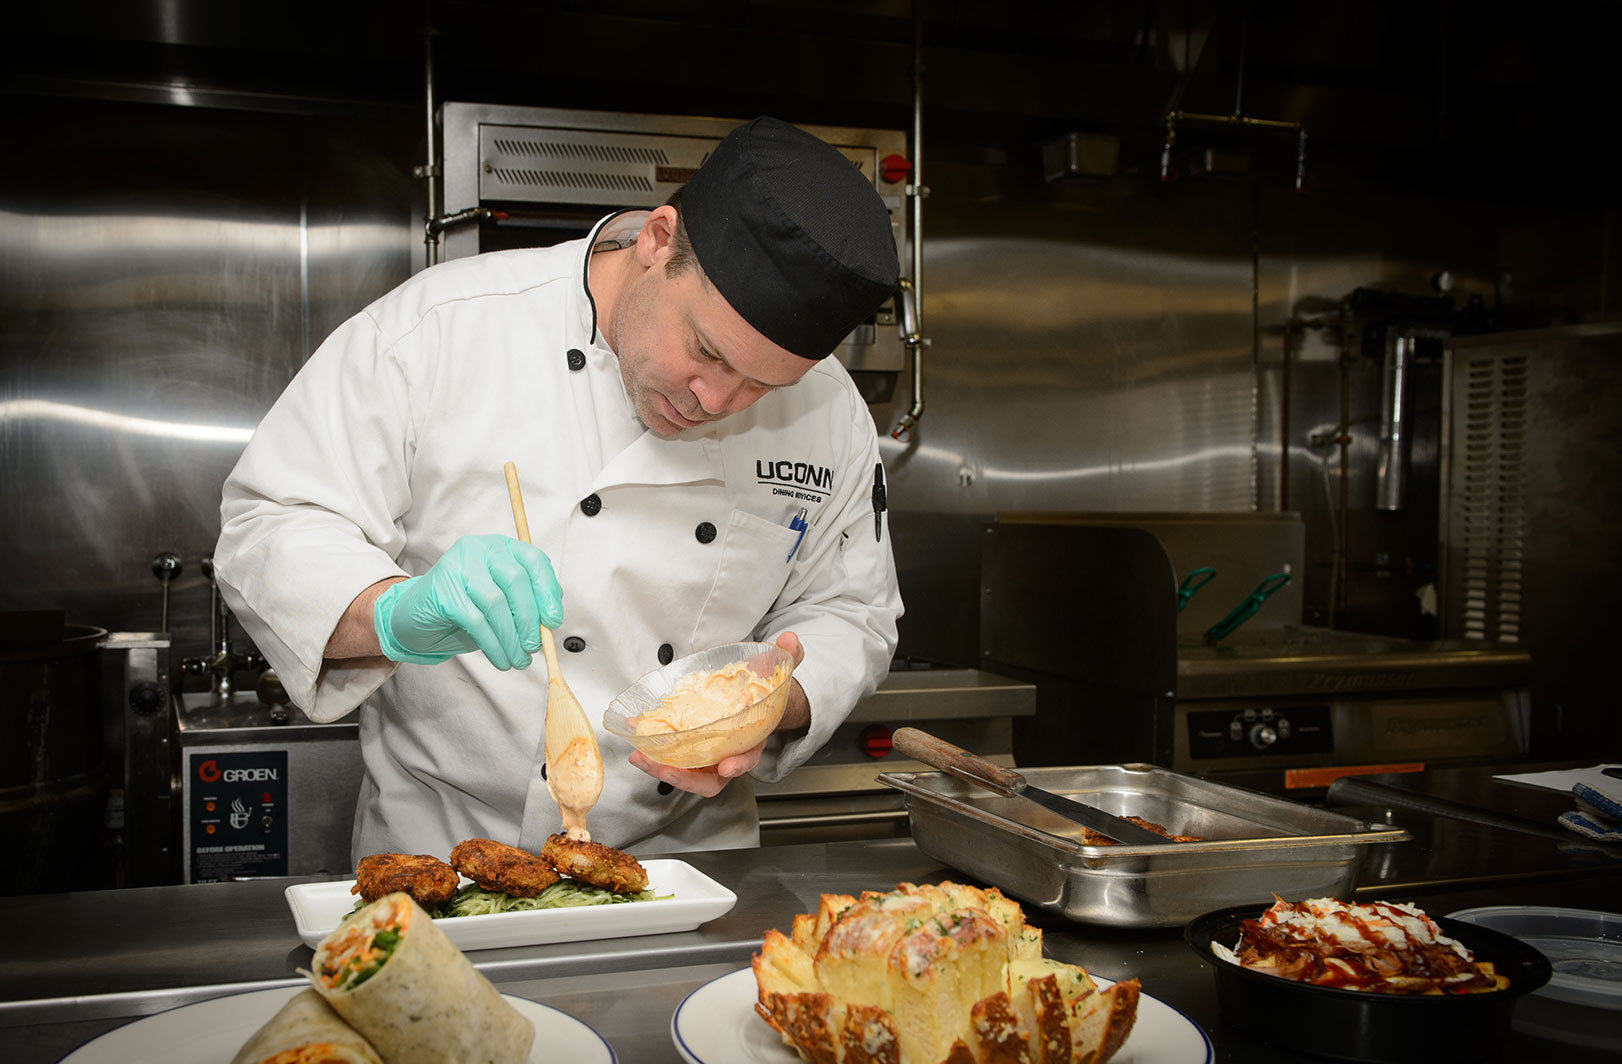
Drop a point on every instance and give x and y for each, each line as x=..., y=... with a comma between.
x=574, y=644
x=705, y=532
x=577, y=359
x=665, y=788
x=666, y=653
x=591, y=505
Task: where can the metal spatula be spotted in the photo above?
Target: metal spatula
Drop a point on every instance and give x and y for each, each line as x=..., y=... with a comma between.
x=958, y=762
x=574, y=765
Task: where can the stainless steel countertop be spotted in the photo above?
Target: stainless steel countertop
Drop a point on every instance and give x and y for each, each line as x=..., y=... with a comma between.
x=73, y=966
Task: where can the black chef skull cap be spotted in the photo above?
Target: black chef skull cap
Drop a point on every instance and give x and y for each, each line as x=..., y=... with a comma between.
x=792, y=235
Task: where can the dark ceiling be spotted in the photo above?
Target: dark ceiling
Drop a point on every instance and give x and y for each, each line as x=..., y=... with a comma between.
x=1438, y=94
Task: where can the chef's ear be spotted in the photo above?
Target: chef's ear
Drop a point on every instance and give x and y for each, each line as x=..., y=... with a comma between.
x=658, y=235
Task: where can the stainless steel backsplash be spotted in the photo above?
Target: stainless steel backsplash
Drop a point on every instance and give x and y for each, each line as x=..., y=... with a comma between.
x=1104, y=345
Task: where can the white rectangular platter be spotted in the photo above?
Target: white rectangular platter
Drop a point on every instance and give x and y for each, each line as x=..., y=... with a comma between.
x=318, y=907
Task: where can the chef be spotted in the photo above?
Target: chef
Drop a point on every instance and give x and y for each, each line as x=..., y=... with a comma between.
x=695, y=471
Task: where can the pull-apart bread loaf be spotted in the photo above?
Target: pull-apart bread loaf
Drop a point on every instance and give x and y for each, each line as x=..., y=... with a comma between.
x=946, y=974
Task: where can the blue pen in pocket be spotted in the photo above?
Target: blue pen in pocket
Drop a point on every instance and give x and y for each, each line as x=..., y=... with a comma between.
x=796, y=525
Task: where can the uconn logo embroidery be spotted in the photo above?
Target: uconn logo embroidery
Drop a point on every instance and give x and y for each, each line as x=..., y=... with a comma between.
x=796, y=480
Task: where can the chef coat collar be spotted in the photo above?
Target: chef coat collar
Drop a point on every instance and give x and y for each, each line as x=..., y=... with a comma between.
x=620, y=227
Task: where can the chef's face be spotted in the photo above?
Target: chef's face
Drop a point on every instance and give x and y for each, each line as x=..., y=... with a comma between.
x=685, y=355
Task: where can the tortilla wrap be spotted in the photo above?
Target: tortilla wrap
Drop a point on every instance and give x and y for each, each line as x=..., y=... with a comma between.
x=423, y=1001
x=306, y=1031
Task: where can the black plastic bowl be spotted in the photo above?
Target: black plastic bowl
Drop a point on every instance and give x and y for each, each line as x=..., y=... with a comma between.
x=1361, y=1025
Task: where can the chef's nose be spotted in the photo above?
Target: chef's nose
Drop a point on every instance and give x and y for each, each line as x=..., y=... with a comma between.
x=719, y=392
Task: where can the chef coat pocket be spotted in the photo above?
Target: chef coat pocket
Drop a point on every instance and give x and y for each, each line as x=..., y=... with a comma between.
x=753, y=567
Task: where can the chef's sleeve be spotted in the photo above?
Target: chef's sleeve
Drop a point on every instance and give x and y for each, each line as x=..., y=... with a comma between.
x=310, y=515
x=842, y=599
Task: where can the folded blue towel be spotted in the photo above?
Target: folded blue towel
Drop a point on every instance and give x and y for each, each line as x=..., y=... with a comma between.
x=1596, y=800
x=1597, y=816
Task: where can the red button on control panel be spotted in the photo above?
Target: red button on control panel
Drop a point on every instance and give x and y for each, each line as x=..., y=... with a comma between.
x=895, y=167
x=875, y=740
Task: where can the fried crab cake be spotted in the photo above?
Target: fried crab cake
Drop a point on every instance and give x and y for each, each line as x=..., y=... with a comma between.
x=595, y=864
x=427, y=879
x=499, y=867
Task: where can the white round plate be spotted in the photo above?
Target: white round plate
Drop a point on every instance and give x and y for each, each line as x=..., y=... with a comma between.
x=212, y=1031
x=717, y=1024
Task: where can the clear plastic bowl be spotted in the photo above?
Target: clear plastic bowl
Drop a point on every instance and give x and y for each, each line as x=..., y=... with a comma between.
x=1584, y=947
x=705, y=744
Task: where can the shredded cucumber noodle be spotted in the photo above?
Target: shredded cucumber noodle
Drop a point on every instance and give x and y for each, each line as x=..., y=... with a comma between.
x=474, y=900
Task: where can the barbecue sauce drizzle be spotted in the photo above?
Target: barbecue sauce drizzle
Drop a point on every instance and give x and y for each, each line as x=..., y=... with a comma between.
x=1343, y=967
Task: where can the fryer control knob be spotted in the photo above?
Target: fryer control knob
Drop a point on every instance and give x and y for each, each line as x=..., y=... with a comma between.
x=148, y=698
x=1262, y=736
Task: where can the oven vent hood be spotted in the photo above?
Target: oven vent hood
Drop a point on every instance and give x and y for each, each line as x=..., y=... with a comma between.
x=547, y=174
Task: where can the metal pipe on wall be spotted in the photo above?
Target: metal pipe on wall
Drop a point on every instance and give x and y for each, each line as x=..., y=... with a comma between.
x=434, y=222
x=1343, y=439
x=912, y=324
x=430, y=171
x=919, y=190
x=1292, y=330
x=1390, y=477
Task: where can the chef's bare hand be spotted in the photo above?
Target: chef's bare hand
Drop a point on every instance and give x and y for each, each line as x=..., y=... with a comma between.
x=488, y=593
x=711, y=781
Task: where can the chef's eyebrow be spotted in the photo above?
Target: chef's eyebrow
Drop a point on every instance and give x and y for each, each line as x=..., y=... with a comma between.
x=710, y=349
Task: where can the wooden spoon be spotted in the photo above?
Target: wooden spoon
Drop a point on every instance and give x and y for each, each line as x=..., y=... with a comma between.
x=574, y=765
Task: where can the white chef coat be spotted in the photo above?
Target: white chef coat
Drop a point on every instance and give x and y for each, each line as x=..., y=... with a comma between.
x=389, y=444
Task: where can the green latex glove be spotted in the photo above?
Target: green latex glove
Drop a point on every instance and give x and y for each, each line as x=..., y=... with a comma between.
x=489, y=593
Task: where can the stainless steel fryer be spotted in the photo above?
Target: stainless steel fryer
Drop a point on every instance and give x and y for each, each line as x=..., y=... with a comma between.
x=1252, y=845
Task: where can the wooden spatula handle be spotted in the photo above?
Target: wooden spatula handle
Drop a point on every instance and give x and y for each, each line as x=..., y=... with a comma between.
x=521, y=524
x=573, y=762
x=932, y=750
x=515, y=495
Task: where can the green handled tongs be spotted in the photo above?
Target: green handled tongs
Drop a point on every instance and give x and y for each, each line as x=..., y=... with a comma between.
x=1195, y=580
x=1246, y=609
